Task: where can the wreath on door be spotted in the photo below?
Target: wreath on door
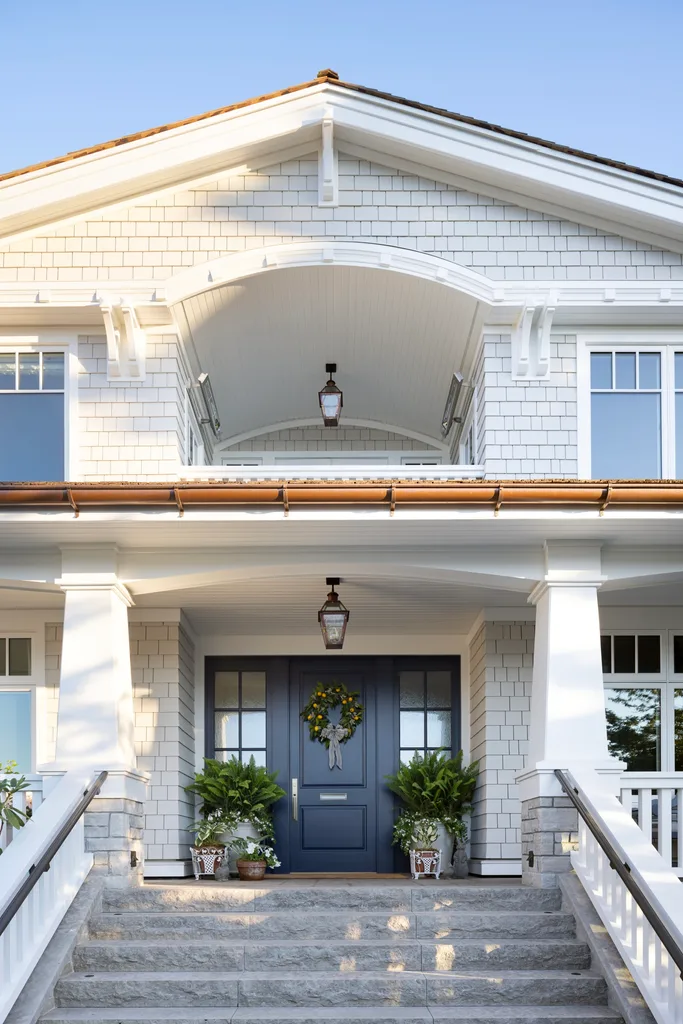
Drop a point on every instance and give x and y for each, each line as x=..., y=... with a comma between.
x=325, y=699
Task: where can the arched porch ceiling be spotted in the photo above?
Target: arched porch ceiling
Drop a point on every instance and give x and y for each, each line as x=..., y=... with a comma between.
x=265, y=339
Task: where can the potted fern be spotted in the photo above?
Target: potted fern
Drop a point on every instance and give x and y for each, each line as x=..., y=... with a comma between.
x=243, y=793
x=437, y=788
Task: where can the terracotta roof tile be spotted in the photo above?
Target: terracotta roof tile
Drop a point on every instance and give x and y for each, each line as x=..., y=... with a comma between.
x=331, y=78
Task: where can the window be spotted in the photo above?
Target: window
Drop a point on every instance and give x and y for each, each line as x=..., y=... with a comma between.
x=634, y=727
x=15, y=657
x=468, y=456
x=240, y=715
x=626, y=653
x=425, y=712
x=15, y=728
x=32, y=415
x=194, y=455
x=626, y=414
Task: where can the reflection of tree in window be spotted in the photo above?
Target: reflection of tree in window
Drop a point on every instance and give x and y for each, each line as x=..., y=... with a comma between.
x=678, y=730
x=634, y=727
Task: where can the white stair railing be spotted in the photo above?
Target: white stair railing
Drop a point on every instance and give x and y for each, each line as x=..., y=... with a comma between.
x=28, y=799
x=638, y=897
x=41, y=871
x=655, y=800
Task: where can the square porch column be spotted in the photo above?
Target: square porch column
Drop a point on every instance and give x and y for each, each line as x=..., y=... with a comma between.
x=567, y=728
x=95, y=719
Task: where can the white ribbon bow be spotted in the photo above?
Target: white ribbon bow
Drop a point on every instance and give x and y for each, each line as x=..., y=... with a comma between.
x=334, y=733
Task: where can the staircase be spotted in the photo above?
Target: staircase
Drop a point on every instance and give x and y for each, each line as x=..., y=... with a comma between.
x=340, y=952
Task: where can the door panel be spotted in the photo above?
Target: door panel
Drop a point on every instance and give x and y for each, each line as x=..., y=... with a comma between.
x=336, y=828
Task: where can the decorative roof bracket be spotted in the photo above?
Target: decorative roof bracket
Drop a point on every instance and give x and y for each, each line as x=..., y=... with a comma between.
x=126, y=341
x=531, y=342
x=328, y=166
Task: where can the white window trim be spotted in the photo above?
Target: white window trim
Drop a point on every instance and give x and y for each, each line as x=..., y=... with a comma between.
x=665, y=342
x=191, y=426
x=57, y=341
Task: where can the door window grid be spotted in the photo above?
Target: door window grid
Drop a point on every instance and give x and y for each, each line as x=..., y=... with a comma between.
x=653, y=702
x=424, y=712
x=240, y=716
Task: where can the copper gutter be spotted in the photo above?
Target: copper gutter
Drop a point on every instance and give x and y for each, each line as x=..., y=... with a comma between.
x=496, y=495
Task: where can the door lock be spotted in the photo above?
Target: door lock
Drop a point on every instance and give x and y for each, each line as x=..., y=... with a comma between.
x=295, y=799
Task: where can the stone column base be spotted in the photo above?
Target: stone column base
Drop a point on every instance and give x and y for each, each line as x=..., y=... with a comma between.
x=549, y=835
x=114, y=825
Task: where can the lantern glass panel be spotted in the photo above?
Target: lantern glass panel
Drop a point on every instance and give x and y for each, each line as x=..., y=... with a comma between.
x=333, y=625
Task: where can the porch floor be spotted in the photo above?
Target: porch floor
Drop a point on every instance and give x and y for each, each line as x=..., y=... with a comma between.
x=335, y=881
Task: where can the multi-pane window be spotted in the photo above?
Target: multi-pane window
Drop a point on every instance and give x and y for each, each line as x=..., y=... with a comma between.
x=678, y=399
x=626, y=414
x=15, y=657
x=32, y=415
x=629, y=653
x=425, y=712
x=240, y=716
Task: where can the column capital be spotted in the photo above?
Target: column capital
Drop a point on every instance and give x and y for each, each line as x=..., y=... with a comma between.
x=554, y=580
x=93, y=584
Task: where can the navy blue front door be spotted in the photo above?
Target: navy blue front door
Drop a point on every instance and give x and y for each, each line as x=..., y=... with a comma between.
x=333, y=819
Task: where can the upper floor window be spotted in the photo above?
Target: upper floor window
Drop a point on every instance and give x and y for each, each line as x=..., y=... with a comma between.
x=31, y=415
x=626, y=414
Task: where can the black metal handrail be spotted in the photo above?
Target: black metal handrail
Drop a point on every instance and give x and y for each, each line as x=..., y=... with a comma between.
x=43, y=864
x=623, y=869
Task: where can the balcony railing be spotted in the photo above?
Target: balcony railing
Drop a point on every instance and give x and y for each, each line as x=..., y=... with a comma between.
x=655, y=799
x=341, y=471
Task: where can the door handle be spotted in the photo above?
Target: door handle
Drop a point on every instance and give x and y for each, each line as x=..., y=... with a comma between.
x=295, y=799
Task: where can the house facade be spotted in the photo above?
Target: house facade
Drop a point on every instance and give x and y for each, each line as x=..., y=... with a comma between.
x=499, y=498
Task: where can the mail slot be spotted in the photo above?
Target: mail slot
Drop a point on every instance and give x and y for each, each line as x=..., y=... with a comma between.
x=333, y=796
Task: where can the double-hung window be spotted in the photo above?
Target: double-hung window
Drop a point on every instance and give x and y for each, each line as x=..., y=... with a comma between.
x=32, y=417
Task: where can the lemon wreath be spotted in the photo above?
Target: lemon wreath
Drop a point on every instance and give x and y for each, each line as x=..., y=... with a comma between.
x=323, y=700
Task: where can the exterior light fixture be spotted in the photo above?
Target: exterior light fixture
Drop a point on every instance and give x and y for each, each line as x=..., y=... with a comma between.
x=458, y=403
x=333, y=618
x=331, y=399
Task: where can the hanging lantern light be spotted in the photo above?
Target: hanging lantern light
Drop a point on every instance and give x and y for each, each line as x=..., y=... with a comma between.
x=333, y=618
x=331, y=399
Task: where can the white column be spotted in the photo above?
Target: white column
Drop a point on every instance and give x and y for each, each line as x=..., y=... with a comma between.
x=95, y=719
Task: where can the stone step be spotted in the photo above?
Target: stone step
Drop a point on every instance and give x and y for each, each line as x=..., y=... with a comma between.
x=348, y=956
x=440, y=924
x=338, y=1015
x=329, y=988
x=234, y=896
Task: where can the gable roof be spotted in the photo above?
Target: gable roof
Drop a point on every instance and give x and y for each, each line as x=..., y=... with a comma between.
x=330, y=77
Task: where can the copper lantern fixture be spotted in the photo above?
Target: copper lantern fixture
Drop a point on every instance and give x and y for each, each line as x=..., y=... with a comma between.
x=333, y=618
x=331, y=399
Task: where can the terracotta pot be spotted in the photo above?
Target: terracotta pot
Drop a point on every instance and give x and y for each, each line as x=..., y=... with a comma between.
x=251, y=870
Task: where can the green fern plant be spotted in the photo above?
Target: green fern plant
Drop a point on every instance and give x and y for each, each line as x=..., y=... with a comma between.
x=243, y=790
x=436, y=786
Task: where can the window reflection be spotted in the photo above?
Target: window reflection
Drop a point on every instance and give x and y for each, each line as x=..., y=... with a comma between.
x=634, y=723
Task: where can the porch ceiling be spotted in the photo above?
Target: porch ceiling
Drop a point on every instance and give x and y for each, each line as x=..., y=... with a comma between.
x=396, y=340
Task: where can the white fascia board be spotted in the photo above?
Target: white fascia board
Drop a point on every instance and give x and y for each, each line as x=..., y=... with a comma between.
x=622, y=199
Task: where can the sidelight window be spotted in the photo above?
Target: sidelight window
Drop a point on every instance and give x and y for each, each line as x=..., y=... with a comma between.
x=240, y=716
x=425, y=712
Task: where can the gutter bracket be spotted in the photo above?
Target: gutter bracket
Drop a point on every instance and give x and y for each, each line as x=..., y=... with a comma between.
x=181, y=509
x=126, y=341
x=328, y=165
x=285, y=498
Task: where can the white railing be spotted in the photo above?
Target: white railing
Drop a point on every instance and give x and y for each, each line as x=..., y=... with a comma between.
x=638, y=897
x=29, y=927
x=341, y=471
x=656, y=799
x=28, y=799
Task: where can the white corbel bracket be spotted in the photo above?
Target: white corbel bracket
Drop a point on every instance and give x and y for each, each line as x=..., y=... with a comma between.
x=125, y=341
x=328, y=166
x=531, y=342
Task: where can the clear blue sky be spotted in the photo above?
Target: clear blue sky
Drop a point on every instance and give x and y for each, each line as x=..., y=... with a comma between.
x=602, y=75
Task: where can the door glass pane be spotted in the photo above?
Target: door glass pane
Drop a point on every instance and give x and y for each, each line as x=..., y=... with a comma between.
x=624, y=654
x=19, y=656
x=626, y=435
x=412, y=729
x=438, y=728
x=648, y=370
x=678, y=654
x=412, y=689
x=227, y=731
x=438, y=690
x=53, y=371
x=36, y=425
x=408, y=755
x=227, y=755
x=625, y=370
x=634, y=727
x=678, y=744
x=253, y=729
x=606, y=650
x=226, y=690
x=601, y=370
x=8, y=371
x=29, y=371
x=258, y=755
x=649, y=659
x=15, y=728
x=253, y=689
